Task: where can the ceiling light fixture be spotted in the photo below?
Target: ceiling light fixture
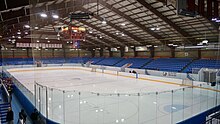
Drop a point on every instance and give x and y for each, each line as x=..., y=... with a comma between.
x=123, y=24
x=38, y=41
x=48, y=41
x=25, y=32
x=152, y=29
x=122, y=34
x=19, y=37
x=27, y=26
x=55, y=16
x=104, y=21
x=44, y=15
x=36, y=27
x=90, y=32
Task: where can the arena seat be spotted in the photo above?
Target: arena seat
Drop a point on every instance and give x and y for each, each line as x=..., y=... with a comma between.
x=95, y=60
x=168, y=64
x=136, y=62
x=77, y=60
x=203, y=63
x=110, y=61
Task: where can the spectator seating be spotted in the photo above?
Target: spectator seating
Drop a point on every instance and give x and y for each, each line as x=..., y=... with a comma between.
x=168, y=64
x=110, y=61
x=95, y=60
x=77, y=60
x=136, y=62
x=202, y=63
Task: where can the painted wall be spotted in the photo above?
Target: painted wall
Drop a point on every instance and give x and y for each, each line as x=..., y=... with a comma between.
x=214, y=54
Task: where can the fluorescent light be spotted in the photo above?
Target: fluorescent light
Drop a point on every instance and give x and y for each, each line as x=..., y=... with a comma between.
x=170, y=44
x=122, y=34
x=23, y=49
x=155, y=46
x=90, y=32
x=148, y=45
x=199, y=44
x=55, y=16
x=123, y=24
x=25, y=32
x=38, y=41
x=152, y=29
x=19, y=37
x=27, y=26
x=46, y=38
x=217, y=20
x=43, y=15
x=58, y=35
x=214, y=19
x=74, y=30
x=157, y=28
x=48, y=41
x=9, y=39
x=175, y=45
x=67, y=42
x=205, y=41
x=36, y=27
x=13, y=36
x=104, y=22
x=117, y=33
x=100, y=37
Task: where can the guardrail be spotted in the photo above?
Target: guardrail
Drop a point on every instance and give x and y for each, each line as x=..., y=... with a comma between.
x=5, y=91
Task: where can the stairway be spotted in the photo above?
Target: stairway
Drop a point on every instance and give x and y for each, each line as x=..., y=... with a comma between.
x=186, y=66
x=3, y=112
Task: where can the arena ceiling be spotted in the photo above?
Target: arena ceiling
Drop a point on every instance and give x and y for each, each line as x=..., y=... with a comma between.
x=129, y=22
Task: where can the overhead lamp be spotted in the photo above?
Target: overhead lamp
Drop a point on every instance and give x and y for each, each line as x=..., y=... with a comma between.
x=170, y=44
x=104, y=21
x=58, y=35
x=38, y=41
x=74, y=30
x=9, y=39
x=55, y=16
x=46, y=38
x=27, y=26
x=157, y=28
x=117, y=33
x=90, y=32
x=19, y=37
x=44, y=15
x=71, y=42
x=13, y=36
x=48, y=41
x=123, y=24
x=148, y=45
x=25, y=32
x=67, y=42
x=152, y=29
x=199, y=44
x=205, y=41
x=155, y=46
x=217, y=20
x=100, y=37
x=175, y=45
x=19, y=33
x=214, y=19
x=122, y=34
x=36, y=27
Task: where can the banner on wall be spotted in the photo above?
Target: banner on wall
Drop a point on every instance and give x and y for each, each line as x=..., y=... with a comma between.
x=43, y=45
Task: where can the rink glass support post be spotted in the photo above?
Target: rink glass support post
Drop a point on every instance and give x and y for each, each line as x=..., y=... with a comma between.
x=47, y=103
x=136, y=75
x=39, y=100
x=35, y=95
x=63, y=106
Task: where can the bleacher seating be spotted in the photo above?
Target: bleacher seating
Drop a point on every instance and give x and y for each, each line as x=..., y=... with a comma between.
x=202, y=63
x=95, y=60
x=110, y=61
x=77, y=60
x=168, y=64
x=136, y=62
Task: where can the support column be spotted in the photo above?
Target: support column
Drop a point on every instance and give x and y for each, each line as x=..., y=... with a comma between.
x=172, y=52
x=110, y=52
x=199, y=54
x=53, y=53
x=92, y=52
x=152, y=52
x=101, y=52
x=135, y=52
x=122, y=51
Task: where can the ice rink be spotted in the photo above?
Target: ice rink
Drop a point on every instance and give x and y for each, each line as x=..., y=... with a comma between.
x=76, y=95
